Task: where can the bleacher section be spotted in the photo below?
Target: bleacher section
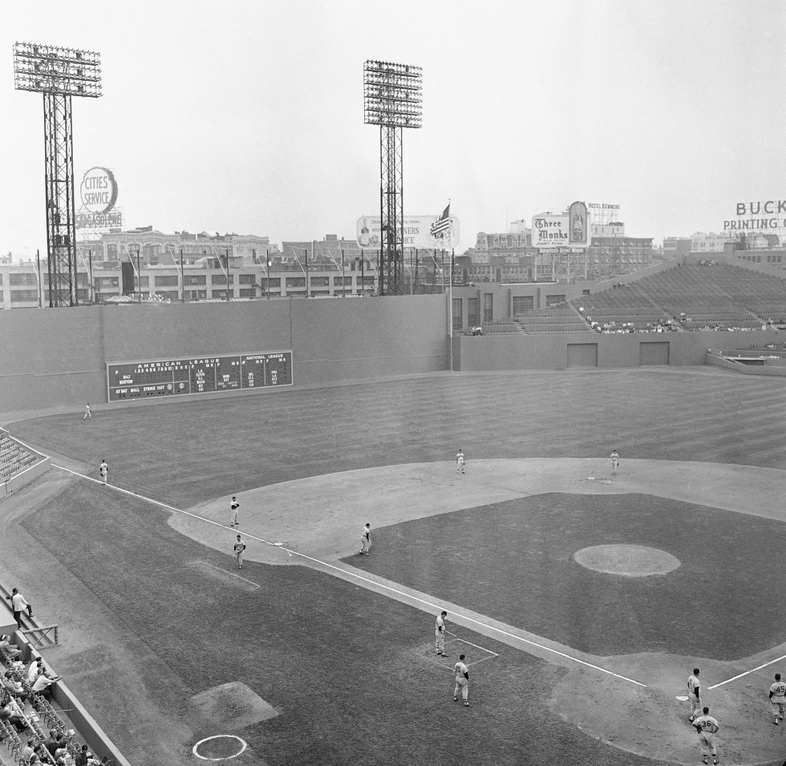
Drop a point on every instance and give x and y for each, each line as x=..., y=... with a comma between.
x=558, y=320
x=15, y=458
x=500, y=327
x=692, y=297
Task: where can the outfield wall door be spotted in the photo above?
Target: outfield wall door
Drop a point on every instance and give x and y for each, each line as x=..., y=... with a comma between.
x=654, y=353
x=582, y=354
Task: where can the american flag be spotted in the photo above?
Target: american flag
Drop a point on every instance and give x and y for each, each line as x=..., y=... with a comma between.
x=442, y=224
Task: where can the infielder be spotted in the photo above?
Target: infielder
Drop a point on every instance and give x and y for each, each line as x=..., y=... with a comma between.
x=103, y=469
x=439, y=634
x=707, y=727
x=777, y=698
x=365, y=540
x=694, y=695
x=615, y=462
x=234, y=508
x=239, y=547
x=462, y=681
x=460, y=461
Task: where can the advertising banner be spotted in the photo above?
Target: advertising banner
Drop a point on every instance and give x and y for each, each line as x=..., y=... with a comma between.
x=416, y=232
x=571, y=229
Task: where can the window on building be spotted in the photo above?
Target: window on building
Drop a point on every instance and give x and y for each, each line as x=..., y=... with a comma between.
x=522, y=303
x=22, y=279
x=457, y=316
x=24, y=296
x=248, y=292
x=296, y=281
x=195, y=279
x=320, y=281
x=165, y=280
x=221, y=279
x=488, y=307
x=247, y=279
x=472, y=312
x=196, y=295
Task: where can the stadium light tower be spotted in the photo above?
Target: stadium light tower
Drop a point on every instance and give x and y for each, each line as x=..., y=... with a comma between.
x=58, y=73
x=392, y=99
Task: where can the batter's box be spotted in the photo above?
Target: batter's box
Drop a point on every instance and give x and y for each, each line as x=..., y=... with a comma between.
x=454, y=646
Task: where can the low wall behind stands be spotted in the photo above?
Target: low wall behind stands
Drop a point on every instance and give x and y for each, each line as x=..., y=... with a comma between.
x=57, y=357
x=561, y=351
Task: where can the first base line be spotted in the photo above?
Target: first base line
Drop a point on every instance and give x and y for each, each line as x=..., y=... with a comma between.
x=374, y=584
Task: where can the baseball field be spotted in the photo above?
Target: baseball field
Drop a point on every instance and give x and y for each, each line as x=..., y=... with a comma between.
x=581, y=599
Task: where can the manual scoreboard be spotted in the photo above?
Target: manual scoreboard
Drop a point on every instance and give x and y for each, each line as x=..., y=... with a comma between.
x=198, y=375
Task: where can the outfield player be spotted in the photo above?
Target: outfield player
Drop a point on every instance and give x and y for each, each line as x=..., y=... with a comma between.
x=234, y=508
x=694, y=695
x=88, y=413
x=239, y=547
x=707, y=727
x=439, y=633
x=777, y=698
x=462, y=681
x=365, y=540
x=615, y=462
x=460, y=461
x=103, y=469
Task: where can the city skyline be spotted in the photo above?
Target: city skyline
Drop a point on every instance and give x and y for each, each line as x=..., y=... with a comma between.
x=248, y=117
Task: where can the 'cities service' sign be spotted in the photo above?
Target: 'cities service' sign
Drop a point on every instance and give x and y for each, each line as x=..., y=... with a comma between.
x=98, y=191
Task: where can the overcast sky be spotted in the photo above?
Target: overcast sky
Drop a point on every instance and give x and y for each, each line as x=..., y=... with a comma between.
x=246, y=116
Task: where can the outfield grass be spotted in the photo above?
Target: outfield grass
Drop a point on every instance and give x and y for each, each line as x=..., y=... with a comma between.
x=348, y=669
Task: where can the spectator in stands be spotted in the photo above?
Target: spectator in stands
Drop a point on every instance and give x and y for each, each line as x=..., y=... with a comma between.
x=14, y=688
x=83, y=757
x=9, y=715
x=34, y=669
x=8, y=649
x=42, y=684
x=55, y=742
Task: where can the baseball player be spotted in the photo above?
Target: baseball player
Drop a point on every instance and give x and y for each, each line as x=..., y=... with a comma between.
x=777, y=698
x=707, y=727
x=615, y=462
x=365, y=540
x=103, y=469
x=694, y=695
x=439, y=633
x=462, y=681
x=460, y=461
x=239, y=547
x=234, y=508
x=88, y=414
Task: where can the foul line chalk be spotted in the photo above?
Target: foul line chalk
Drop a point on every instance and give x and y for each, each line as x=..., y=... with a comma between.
x=374, y=583
x=747, y=672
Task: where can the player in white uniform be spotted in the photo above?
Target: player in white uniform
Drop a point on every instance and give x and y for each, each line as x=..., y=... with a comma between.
x=365, y=540
x=462, y=681
x=460, y=461
x=234, y=508
x=239, y=547
x=777, y=698
x=439, y=633
x=88, y=413
x=615, y=462
x=103, y=469
x=707, y=727
x=694, y=695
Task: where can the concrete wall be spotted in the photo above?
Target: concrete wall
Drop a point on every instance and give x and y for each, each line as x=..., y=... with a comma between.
x=550, y=351
x=56, y=357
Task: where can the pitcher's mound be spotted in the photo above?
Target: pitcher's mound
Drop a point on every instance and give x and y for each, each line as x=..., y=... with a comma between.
x=628, y=560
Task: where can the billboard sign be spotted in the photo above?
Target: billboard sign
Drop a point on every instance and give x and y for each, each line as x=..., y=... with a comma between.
x=417, y=230
x=569, y=229
x=98, y=191
x=763, y=217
